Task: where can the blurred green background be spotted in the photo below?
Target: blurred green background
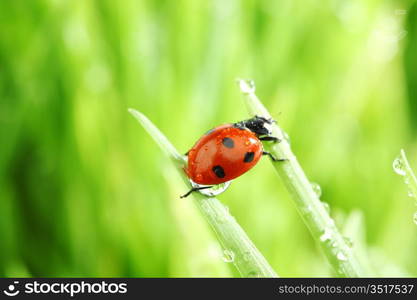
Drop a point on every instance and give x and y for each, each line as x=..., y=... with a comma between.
x=85, y=192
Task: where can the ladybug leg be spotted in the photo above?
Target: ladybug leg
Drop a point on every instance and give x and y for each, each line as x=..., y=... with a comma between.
x=273, y=157
x=270, y=138
x=186, y=153
x=194, y=189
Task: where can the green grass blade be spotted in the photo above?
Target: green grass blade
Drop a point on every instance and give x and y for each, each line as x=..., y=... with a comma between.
x=239, y=248
x=159, y=138
x=311, y=209
x=402, y=167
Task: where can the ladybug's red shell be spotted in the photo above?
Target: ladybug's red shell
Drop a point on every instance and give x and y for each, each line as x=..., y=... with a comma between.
x=223, y=154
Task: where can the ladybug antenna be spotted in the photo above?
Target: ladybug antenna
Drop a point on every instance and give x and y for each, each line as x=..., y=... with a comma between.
x=256, y=125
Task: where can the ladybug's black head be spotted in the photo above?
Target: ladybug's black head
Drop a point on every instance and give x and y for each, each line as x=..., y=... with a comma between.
x=256, y=125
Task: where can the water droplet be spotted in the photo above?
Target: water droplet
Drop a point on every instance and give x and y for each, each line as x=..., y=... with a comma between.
x=228, y=256
x=253, y=274
x=326, y=206
x=316, y=188
x=246, y=256
x=415, y=218
x=410, y=194
x=327, y=235
x=398, y=166
x=341, y=256
x=247, y=86
x=214, y=190
x=348, y=242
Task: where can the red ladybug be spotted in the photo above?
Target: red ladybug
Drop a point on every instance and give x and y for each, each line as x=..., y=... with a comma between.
x=227, y=152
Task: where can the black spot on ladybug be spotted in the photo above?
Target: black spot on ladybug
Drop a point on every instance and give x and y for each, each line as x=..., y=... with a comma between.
x=228, y=142
x=248, y=157
x=218, y=170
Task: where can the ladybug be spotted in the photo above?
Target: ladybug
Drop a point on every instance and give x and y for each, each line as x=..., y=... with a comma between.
x=228, y=151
